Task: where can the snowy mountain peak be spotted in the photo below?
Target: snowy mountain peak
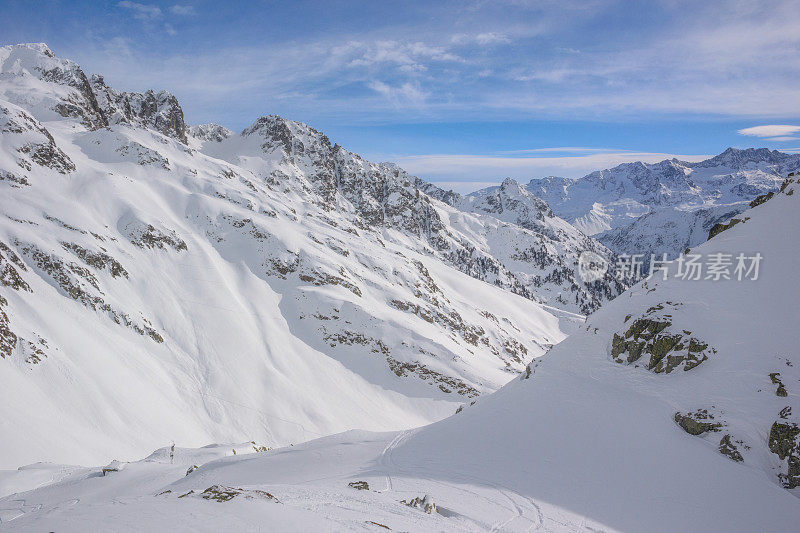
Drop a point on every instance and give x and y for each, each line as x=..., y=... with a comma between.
x=53, y=88
x=738, y=159
x=511, y=196
x=27, y=50
x=270, y=124
x=270, y=269
x=668, y=206
x=48, y=86
x=511, y=183
x=30, y=57
x=210, y=132
x=157, y=110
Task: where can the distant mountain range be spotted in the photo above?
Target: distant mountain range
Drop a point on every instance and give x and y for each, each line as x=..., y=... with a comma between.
x=664, y=207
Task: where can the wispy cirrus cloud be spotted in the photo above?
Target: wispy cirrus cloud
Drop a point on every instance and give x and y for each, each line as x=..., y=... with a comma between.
x=182, y=9
x=782, y=139
x=776, y=132
x=561, y=149
x=413, y=55
x=406, y=94
x=532, y=61
x=475, y=62
x=141, y=11
x=152, y=15
x=483, y=38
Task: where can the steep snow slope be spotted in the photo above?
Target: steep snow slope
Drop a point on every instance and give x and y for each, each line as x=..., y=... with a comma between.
x=700, y=433
x=647, y=208
x=159, y=282
x=613, y=450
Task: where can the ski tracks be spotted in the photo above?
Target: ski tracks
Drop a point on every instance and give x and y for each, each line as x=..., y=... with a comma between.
x=385, y=459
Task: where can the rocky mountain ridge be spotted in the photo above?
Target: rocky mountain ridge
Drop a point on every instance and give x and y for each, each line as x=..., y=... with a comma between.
x=266, y=285
x=668, y=206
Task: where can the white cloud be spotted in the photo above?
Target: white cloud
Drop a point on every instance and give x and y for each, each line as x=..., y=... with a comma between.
x=410, y=56
x=778, y=132
x=782, y=139
x=485, y=168
x=405, y=94
x=491, y=38
x=184, y=10
x=483, y=39
x=744, y=65
x=141, y=11
x=561, y=149
x=464, y=187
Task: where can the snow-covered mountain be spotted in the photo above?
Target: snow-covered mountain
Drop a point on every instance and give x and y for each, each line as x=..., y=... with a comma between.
x=669, y=230
x=675, y=408
x=163, y=282
x=664, y=207
x=543, y=261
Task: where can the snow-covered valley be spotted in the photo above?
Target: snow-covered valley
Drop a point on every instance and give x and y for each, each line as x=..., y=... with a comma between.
x=312, y=341
x=269, y=285
x=590, y=437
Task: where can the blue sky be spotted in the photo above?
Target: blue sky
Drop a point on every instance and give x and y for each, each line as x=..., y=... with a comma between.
x=460, y=92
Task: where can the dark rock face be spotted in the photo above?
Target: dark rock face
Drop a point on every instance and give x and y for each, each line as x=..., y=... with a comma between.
x=719, y=227
x=775, y=377
x=761, y=199
x=210, y=132
x=146, y=235
x=221, y=493
x=157, y=110
x=10, y=265
x=49, y=155
x=784, y=441
x=382, y=195
x=729, y=449
x=39, y=148
x=81, y=284
x=698, y=422
x=83, y=107
x=652, y=334
x=385, y=196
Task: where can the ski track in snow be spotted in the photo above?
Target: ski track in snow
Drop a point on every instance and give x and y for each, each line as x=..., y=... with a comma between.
x=520, y=511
